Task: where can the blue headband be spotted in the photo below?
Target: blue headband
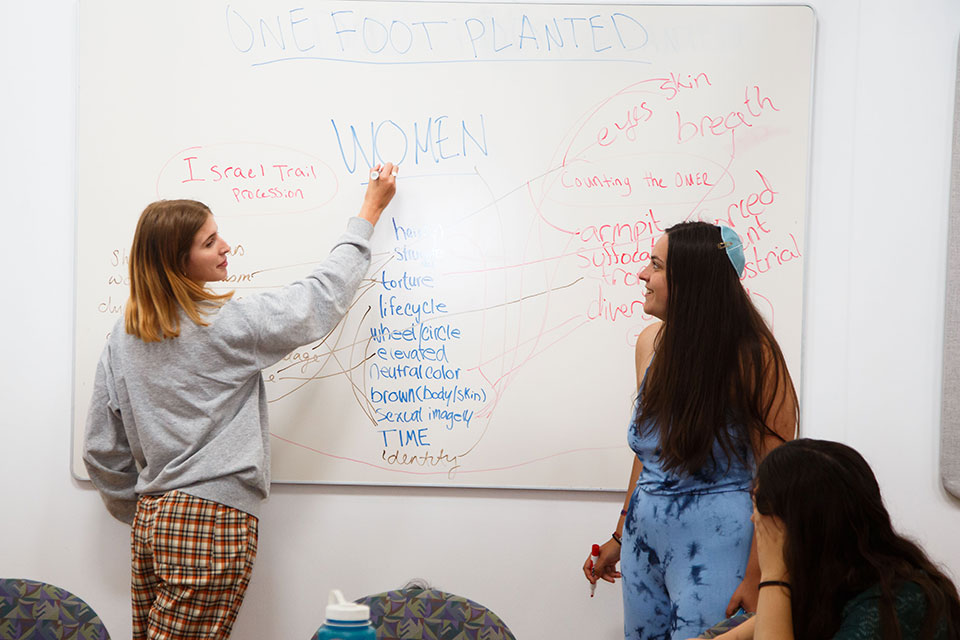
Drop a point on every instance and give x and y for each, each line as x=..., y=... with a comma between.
x=734, y=246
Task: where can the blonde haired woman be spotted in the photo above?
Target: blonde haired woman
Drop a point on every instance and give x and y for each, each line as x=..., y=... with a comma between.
x=177, y=438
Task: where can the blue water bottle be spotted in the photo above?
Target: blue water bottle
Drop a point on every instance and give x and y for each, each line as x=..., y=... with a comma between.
x=345, y=620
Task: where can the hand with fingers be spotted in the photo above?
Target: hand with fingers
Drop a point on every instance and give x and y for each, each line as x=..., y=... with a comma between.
x=380, y=190
x=605, y=567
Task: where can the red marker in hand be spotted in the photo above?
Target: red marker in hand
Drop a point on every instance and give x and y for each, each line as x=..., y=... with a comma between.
x=594, y=556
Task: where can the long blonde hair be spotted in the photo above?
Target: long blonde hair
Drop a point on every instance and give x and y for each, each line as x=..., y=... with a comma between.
x=159, y=286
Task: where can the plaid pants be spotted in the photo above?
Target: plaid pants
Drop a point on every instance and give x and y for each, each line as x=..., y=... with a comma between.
x=192, y=561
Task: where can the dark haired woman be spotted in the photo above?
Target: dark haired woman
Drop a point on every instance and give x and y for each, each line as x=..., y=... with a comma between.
x=832, y=566
x=714, y=395
x=177, y=440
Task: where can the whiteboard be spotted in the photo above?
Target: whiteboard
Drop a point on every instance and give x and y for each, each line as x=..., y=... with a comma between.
x=543, y=149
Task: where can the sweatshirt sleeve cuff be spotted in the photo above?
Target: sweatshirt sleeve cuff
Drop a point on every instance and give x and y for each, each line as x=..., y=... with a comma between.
x=360, y=227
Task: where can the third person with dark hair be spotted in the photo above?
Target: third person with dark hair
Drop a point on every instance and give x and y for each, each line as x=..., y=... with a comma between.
x=832, y=565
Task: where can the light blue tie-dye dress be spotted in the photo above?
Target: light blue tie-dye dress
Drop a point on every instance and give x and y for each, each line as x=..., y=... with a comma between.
x=686, y=541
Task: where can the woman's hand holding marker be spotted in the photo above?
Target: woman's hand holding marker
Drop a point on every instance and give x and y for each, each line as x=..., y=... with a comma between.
x=380, y=190
x=605, y=565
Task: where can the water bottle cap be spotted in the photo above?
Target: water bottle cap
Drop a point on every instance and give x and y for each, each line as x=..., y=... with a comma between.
x=343, y=611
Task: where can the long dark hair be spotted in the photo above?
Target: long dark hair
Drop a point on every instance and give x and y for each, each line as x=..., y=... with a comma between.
x=840, y=542
x=716, y=363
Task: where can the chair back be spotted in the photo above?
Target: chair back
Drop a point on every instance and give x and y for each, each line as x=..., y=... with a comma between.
x=415, y=614
x=40, y=611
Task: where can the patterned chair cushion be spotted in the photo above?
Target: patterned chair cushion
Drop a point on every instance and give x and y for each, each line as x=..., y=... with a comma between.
x=726, y=625
x=39, y=611
x=428, y=614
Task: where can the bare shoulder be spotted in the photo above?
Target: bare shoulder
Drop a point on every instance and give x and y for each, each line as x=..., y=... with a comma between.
x=646, y=342
x=782, y=413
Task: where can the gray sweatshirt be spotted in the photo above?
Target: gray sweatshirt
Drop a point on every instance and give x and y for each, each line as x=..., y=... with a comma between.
x=190, y=412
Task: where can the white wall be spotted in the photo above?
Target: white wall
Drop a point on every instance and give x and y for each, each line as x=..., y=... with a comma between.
x=875, y=259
